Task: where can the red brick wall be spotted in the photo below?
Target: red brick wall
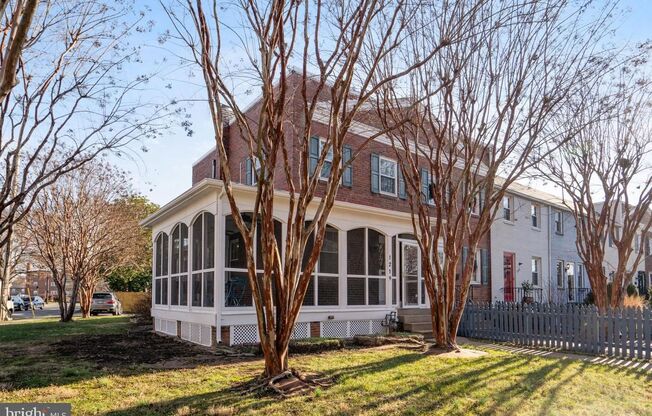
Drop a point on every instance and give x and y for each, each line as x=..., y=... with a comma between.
x=360, y=193
x=203, y=168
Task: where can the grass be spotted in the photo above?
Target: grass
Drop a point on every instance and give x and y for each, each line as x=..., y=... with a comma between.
x=369, y=381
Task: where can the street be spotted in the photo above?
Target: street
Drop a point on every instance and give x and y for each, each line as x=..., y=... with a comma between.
x=49, y=310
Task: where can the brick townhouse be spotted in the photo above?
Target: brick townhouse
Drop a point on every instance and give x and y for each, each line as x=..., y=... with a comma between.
x=369, y=265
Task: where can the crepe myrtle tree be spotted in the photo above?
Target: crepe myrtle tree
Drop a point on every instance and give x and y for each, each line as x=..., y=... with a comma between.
x=82, y=230
x=482, y=114
x=64, y=91
x=605, y=174
x=334, y=48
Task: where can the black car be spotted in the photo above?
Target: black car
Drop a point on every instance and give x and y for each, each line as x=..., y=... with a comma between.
x=27, y=302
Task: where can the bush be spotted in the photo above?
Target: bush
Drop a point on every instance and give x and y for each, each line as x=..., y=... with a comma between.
x=632, y=290
x=313, y=345
x=634, y=302
x=143, y=307
x=589, y=299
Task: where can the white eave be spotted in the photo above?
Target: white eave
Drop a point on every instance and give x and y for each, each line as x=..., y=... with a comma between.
x=182, y=200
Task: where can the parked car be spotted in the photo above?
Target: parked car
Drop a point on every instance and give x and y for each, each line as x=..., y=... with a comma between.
x=19, y=305
x=38, y=302
x=10, y=306
x=27, y=302
x=105, y=302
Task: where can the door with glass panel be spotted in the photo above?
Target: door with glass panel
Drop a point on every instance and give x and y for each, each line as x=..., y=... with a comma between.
x=410, y=274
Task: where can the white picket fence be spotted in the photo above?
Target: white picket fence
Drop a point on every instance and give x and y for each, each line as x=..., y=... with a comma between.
x=625, y=333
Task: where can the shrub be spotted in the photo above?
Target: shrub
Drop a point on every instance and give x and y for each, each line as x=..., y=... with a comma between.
x=143, y=307
x=589, y=299
x=632, y=290
x=313, y=345
x=635, y=301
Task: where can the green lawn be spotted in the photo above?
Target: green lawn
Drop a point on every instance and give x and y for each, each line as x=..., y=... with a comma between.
x=179, y=380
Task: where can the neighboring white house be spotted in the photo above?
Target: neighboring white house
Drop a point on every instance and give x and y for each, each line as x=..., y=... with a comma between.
x=520, y=246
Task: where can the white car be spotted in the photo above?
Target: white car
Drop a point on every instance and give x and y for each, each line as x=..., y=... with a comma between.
x=38, y=302
x=19, y=305
x=10, y=306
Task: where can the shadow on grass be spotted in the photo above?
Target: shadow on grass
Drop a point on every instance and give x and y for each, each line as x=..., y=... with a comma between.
x=417, y=384
x=450, y=381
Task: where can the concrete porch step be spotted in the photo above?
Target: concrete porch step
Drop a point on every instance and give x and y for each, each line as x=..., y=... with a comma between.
x=413, y=312
x=420, y=327
x=414, y=319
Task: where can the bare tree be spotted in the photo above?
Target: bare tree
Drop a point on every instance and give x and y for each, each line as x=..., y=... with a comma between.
x=482, y=115
x=16, y=23
x=341, y=44
x=81, y=231
x=605, y=174
x=66, y=94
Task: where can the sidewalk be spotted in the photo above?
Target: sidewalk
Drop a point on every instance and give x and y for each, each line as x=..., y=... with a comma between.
x=639, y=366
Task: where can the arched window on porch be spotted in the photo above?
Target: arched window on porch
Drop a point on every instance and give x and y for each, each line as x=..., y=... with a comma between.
x=323, y=289
x=237, y=290
x=366, y=268
x=179, y=266
x=203, y=261
x=161, y=257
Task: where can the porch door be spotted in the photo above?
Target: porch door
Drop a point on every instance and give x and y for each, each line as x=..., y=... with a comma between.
x=508, y=271
x=410, y=274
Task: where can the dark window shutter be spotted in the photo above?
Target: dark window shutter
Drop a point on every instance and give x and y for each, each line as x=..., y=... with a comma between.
x=401, y=184
x=248, y=169
x=485, y=266
x=375, y=173
x=425, y=185
x=347, y=175
x=313, y=155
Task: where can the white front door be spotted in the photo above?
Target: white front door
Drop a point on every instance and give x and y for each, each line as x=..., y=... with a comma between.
x=413, y=288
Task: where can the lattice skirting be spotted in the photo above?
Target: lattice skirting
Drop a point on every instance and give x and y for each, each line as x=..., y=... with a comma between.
x=197, y=333
x=248, y=334
x=165, y=326
x=346, y=329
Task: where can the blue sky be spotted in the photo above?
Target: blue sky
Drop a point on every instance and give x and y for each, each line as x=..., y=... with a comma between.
x=164, y=171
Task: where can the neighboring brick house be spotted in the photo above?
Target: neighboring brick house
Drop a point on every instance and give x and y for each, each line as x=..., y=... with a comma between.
x=39, y=283
x=369, y=265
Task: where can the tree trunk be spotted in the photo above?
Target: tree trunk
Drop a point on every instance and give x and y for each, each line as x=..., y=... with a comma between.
x=85, y=299
x=4, y=312
x=276, y=359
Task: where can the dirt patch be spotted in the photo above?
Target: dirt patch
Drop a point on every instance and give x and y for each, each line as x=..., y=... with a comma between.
x=135, y=347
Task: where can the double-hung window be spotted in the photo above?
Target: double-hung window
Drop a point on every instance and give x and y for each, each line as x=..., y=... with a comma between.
x=536, y=270
x=328, y=160
x=388, y=176
x=534, y=215
x=559, y=222
x=366, y=269
x=560, y=273
x=508, y=208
